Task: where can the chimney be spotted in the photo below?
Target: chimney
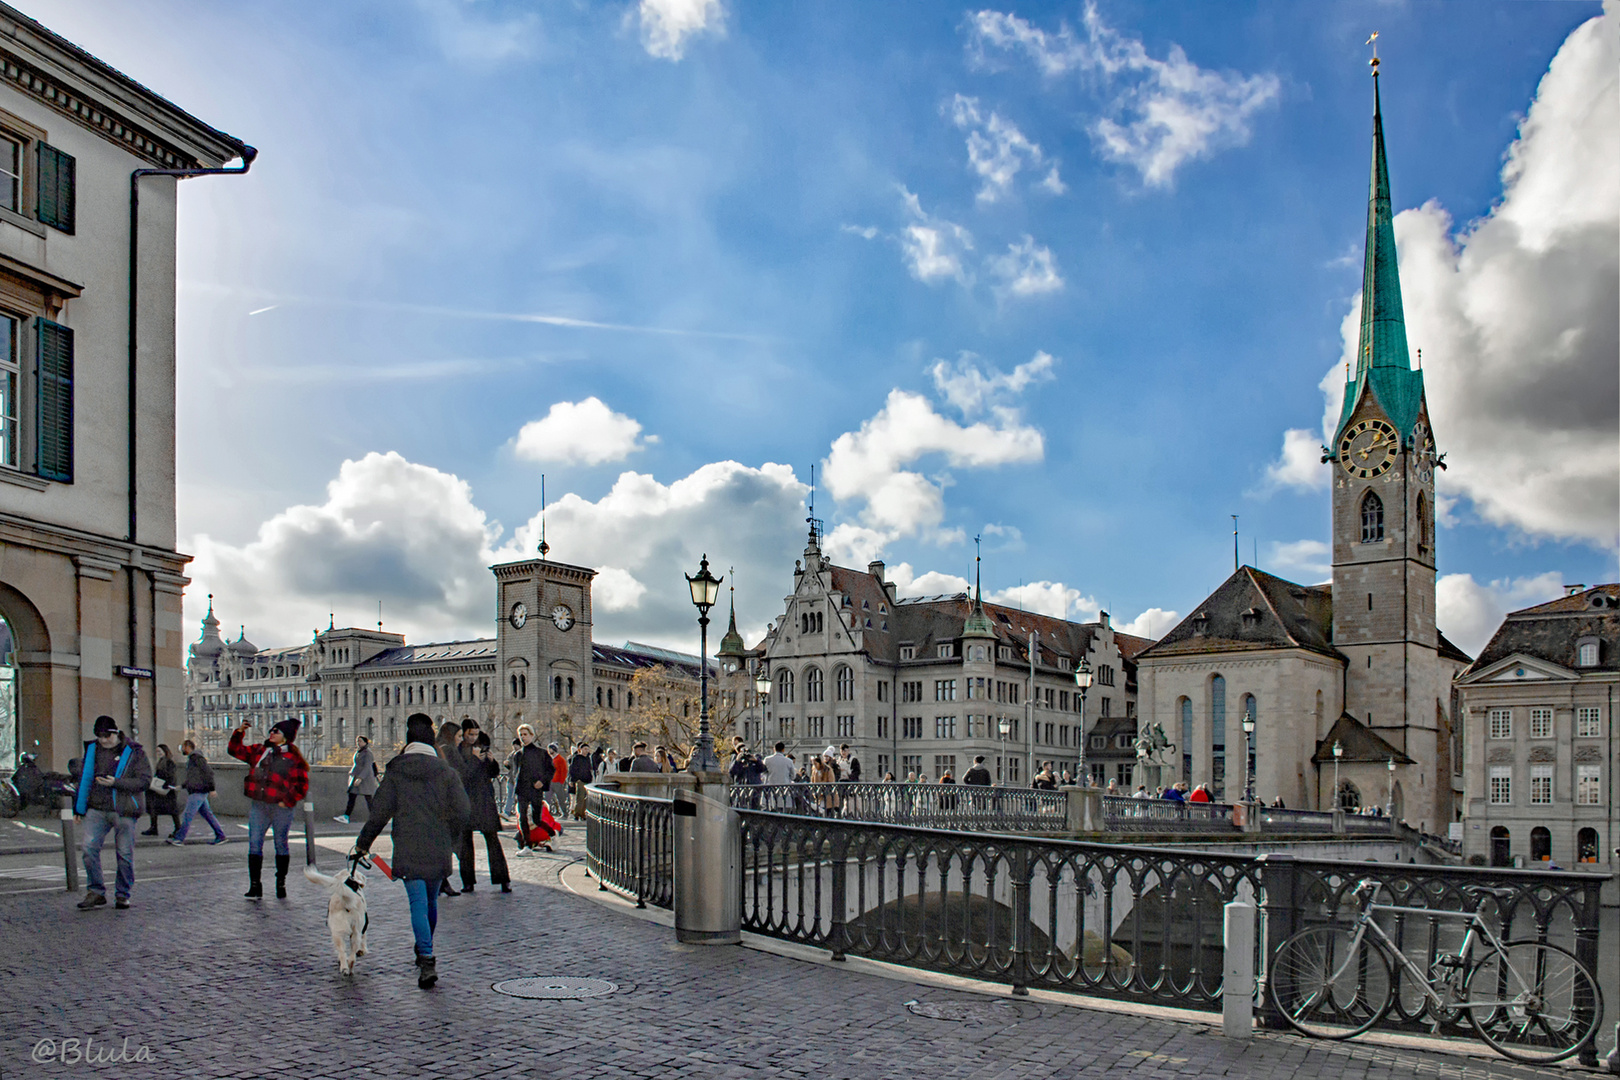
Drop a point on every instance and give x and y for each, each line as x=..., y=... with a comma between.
x=875, y=568
x=1102, y=617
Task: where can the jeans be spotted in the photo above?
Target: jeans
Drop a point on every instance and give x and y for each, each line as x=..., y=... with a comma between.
x=262, y=817
x=424, y=897
x=97, y=824
x=511, y=795
x=353, y=795
x=197, y=803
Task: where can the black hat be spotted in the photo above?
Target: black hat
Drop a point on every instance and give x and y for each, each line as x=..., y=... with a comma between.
x=288, y=729
x=419, y=728
x=105, y=725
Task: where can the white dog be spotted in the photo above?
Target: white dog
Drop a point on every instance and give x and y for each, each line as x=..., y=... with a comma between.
x=346, y=911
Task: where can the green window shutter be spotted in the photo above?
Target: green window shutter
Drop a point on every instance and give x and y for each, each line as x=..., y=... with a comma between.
x=55, y=415
x=55, y=203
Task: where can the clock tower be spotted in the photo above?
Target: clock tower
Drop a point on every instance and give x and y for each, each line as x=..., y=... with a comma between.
x=543, y=643
x=1383, y=460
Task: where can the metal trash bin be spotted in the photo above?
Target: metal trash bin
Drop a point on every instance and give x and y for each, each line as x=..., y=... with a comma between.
x=708, y=868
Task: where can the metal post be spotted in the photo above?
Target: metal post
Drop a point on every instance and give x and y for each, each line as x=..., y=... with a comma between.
x=70, y=845
x=309, y=832
x=1279, y=883
x=1237, y=986
x=838, y=863
x=1020, y=920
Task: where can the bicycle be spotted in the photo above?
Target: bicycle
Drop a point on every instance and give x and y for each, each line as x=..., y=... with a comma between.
x=1528, y=1000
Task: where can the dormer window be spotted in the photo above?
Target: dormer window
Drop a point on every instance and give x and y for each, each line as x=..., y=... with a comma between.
x=1587, y=652
x=883, y=609
x=945, y=652
x=1201, y=623
x=866, y=605
x=1004, y=652
x=908, y=652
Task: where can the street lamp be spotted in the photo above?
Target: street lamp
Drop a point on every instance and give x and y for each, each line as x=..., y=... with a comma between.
x=1389, y=808
x=1005, y=726
x=762, y=694
x=1248, y=742
x=1082, y=682
x=705, y=591
x=1338, y=752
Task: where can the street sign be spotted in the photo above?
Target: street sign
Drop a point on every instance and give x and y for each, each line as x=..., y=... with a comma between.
x=133, y=672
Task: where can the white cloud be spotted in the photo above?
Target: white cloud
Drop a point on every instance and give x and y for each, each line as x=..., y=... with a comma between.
x=666, y=25
x=1311, y=560
x=584, y=432
x=411, y=536
x=971, y=390
x=1047, y=598
x=997, y=150
x=1162, y=113
x=1026, y=270
x=934, y=248
x=1468, y=612
x=463, y=34
x=1301, y=464
x=907, y=582
x=1153, y=623
x=869, y=466
x=1516, y=316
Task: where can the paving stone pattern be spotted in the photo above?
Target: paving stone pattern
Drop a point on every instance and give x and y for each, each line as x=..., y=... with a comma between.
x=215, y=986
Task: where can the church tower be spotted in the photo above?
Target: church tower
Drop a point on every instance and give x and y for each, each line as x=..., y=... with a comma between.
x=1383, y=458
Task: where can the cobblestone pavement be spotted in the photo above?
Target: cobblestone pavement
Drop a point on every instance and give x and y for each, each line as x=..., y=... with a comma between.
x=213, y=986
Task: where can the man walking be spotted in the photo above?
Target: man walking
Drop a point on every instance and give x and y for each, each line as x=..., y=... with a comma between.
x=427, y=802
x=531, y=772
x=199, y=784
x=277, y=779
x=362, y=778
x=112, y=779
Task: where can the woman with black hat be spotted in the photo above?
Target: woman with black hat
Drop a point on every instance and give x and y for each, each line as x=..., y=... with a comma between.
x=277, y=780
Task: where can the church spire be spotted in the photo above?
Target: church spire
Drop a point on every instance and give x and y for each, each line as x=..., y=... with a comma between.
x=978, y=623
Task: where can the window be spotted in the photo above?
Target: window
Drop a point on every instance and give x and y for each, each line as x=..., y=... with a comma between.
x=1217, y=729
x=907, y=652
x=910, y=765
x=1501, y=785
x=944, y=652
x=944, y=689
x=1501, y=723
x=944, y=763
x=944, y=727
x=1588, y=785
x=54, y=200
x=883, y=765
x=1012, y=770
x=1422, y=523
x=815, y=688
x=784, y=725
x=1587, y=722
x=1541, y=723
x=1106, y=707
x=1105, y=674
x=1099, y=742
x=815, y=727
x=883, y=690
x=846, y=727
x=1122, y=742
x=883, y=727
x=10, y=389
x=11, y=180
x=1063, y=700
x=784, y=688
x=911, y=727
x=1586, y=654
x=1541, y=786
x=844, y=680
x=1541, y=844
x=1372, y=518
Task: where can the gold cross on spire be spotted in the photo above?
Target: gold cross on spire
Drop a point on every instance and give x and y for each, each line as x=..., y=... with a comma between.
x=1373, y=41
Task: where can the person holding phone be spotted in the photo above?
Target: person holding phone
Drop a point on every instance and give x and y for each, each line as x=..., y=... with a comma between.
x=277, y=780
x=478, y=772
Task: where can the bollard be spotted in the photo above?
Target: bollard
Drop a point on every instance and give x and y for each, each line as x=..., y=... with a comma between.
x=309, y=832
x=1237, y=987
x=70, y=845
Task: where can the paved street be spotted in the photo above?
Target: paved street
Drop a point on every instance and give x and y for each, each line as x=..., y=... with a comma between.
x=214, y=986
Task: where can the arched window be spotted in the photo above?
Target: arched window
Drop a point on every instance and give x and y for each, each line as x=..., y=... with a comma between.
x=1424, y=536
x=570, y=688
x=1541, y=844
x=845, y=683
x=1586, y=845
x=1217, y=737
x=814, y=685
x=784, y=687
x=1501, y=849
x=1372, y=518
x=1185, y=708
x=556, y=687
x=1349, y=796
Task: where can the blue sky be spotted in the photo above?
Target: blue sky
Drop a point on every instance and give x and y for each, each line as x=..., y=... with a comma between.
x=1069, y=277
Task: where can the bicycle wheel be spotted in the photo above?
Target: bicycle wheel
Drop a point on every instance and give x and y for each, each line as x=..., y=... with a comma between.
x=1327, y=984
x=1533, y=1002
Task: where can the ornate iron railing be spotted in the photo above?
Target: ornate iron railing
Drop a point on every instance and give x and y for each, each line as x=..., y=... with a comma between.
x=629, y=845
x=1121, y=813
x=1144, y=924
x=957, y=806
x=1546, y=906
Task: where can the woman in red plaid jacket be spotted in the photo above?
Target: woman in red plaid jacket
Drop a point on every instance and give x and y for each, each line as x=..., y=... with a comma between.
x=277, y=779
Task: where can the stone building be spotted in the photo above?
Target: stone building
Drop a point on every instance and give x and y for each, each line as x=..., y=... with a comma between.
x=1358, y=662
x=1538, y=706
x=90, y=581
x=925, y=684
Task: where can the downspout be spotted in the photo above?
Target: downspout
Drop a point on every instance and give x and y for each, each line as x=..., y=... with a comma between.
x=247, y=155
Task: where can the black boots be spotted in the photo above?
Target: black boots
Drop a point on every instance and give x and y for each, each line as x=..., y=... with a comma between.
x=282, y=862
x=447, y=889
x=427, y=972
x=255, y=867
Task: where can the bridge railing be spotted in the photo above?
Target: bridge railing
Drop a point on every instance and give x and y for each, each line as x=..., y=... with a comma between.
x=1121, y=813
x=956, y=806
x=629, y=845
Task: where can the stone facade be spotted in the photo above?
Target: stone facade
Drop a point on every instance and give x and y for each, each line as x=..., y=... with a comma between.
x=1541, y=743
x=90, y=581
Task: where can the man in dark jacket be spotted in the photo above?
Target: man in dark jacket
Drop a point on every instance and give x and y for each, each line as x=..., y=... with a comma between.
x=112, y=778
x=581, y=771
x=277, y=780
x=427, y=803
x=533, y=767
x=198, y=785
x=979, y=774
x=478, y=771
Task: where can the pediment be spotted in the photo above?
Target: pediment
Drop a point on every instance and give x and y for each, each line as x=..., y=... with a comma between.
x=1519, y=668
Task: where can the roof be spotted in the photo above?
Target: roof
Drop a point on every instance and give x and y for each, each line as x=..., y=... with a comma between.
x=1131, y=646
x=1254, y=610
x=439, y=651
x=1360, y=743
x=1553, y=631
x=634, y=656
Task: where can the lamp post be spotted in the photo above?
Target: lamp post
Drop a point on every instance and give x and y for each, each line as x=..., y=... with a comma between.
x=1248, y=743
x=705, y=591
x=762, y=694
x=1338, y=752
x=1082, y=682
x=1389, y=807
x=1004, y=725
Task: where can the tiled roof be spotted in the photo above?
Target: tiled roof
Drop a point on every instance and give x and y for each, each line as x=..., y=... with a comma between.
x=1254, y=610
x=634, y=657
x=1552, y=631
x=452, y=651
x=1360, y=743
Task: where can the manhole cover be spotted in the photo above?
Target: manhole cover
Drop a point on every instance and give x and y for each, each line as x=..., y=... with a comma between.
x=975, y=1012
x=555, y=988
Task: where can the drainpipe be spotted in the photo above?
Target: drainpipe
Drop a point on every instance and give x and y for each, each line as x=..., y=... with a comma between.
x=248, y=153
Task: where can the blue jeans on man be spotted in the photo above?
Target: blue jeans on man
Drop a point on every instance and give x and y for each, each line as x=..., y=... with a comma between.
x=424, y=898
x=197, y=803
x=263, y=817
x=97, y=824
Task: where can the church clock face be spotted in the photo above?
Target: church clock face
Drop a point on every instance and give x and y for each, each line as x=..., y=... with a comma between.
x=562, y=616
x=1368, y=448
x=1425, y=449
x=519, y=616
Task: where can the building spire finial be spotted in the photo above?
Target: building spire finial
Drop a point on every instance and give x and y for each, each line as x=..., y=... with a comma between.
x=544, y=547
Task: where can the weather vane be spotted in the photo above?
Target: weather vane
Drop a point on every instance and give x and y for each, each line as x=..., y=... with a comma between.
x=1373, y=41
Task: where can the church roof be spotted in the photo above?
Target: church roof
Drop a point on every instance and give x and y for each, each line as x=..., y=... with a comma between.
x=1361, y=745
x=1254, y=610
x=1552, y=631
x=1383, y=365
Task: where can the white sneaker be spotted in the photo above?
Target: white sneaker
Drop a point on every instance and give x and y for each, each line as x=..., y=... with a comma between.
x=343, y=818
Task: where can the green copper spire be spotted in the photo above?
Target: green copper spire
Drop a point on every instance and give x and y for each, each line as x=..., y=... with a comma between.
x=732, y=644
x=978, y=623
x=1383, y=366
